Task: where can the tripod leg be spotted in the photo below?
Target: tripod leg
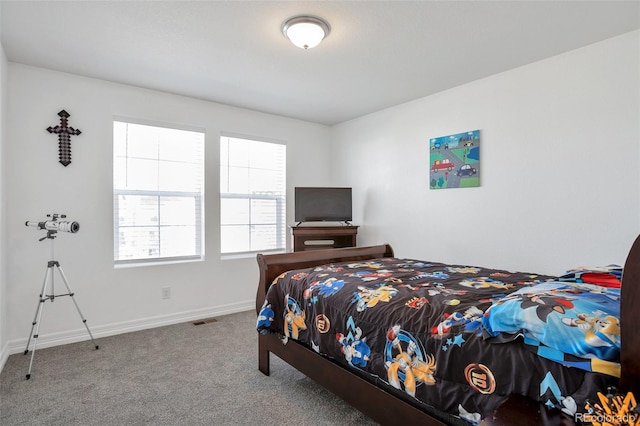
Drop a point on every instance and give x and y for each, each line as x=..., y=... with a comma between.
x=84, y=321
x=40, y=302
x=35, y=336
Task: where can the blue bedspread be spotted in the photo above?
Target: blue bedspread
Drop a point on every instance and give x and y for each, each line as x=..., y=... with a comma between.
x=582, y=320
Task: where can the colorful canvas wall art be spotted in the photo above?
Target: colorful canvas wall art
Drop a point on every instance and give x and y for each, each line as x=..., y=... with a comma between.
x=455, y=161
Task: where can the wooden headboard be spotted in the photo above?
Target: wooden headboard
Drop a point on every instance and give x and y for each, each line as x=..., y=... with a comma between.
x=271, y=266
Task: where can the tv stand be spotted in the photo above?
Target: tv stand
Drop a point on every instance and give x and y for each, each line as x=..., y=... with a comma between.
x=323, y=237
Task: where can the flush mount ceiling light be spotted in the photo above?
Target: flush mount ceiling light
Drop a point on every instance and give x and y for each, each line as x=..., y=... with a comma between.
x=305, y=31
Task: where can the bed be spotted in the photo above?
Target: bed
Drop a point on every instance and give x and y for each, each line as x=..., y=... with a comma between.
x=458, y=366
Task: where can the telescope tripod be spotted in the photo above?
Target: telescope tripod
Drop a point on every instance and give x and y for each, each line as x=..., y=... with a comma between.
x=49, y=278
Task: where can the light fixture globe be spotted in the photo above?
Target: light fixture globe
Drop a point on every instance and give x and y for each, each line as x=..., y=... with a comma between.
x=305, y=31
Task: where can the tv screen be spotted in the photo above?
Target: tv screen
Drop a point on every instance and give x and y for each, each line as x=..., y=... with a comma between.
x=314, y=204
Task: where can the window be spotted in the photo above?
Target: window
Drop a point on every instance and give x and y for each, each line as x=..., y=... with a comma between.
x=252, y=195
x=158, y=175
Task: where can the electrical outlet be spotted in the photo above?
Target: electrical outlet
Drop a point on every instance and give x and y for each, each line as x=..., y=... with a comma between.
x=166, y=292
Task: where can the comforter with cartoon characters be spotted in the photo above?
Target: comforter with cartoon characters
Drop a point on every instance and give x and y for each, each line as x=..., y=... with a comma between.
x=458, y=338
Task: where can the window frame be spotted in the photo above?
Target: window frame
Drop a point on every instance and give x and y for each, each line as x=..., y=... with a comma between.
x=199, y=198
x=281, y=201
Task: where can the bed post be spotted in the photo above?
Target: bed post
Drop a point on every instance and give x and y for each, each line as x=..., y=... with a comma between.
x=262, y=292
x=263, y=356
x=630, y=323
x=263, y=352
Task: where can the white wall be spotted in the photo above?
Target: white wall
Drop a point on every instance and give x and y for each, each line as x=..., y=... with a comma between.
x=115, y=300
x=560, y=166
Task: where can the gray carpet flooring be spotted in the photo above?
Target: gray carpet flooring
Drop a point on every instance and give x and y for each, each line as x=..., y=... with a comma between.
x=176, y=375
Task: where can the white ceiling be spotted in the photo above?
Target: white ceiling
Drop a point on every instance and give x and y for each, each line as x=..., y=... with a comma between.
x=378, y=54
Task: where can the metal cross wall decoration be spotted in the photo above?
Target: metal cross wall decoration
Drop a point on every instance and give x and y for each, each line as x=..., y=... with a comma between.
x=64, y=133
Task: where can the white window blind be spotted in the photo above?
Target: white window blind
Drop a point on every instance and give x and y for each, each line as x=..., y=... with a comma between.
x=158, y=181
x=252, y=195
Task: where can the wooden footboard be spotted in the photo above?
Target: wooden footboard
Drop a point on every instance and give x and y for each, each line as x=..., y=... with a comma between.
x=385, y=407
x=630, y=323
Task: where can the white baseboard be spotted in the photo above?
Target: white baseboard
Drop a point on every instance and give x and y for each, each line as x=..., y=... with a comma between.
x=80, y=334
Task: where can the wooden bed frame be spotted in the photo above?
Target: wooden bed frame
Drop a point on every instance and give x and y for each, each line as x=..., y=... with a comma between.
x=386, y=408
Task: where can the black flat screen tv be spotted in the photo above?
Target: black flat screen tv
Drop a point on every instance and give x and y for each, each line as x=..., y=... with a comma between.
x=322, y=204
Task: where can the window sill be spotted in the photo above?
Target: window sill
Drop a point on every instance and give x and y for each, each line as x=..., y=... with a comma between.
x=159, y=262
x=248, y=255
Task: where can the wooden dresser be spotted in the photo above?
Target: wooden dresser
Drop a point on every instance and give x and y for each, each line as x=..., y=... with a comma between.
x=323, y=237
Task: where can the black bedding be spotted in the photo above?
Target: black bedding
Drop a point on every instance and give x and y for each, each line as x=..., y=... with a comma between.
x=424, y=330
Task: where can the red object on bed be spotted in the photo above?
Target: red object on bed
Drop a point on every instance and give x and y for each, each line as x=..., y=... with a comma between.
x=604, y=280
